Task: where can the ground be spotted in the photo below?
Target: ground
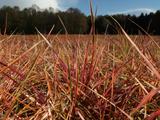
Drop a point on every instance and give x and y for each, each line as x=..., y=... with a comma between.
x=79, y=77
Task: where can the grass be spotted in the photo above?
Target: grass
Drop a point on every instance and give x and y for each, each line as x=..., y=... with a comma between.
x=69, y=77
x=79, y=77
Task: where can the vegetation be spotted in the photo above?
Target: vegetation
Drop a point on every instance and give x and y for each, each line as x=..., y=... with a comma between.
x=24, y=22
x=69, y=77
x=79, y=77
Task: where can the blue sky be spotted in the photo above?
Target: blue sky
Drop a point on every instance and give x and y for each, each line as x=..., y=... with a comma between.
x=103, y=6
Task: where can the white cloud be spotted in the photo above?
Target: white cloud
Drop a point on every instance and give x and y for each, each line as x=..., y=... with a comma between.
x=136, y=12
x=28, y=3
x=46, y=3
x=56, y=4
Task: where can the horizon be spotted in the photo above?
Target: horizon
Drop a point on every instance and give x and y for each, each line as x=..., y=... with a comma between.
x=103, y=7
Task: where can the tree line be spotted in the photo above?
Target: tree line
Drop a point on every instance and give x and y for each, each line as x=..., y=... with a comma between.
x=72, y=21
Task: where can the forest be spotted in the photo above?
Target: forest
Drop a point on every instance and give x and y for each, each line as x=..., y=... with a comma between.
x=17, y=21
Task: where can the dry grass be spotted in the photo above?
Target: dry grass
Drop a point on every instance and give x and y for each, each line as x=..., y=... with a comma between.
x=68, y=77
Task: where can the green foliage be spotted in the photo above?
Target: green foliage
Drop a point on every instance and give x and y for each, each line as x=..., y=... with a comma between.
x=24, y=22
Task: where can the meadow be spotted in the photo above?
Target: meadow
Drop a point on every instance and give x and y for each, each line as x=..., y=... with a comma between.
x=79, y=77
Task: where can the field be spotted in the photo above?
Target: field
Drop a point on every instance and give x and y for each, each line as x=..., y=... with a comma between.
x=79, y=77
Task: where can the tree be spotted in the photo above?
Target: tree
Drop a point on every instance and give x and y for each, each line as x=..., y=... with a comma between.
x=24, y=21
x=74, y=21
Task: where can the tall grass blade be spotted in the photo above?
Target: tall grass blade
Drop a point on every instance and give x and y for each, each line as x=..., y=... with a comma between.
x=153, y=115
x=146, y=99
x=139, y=51
x=49, y=44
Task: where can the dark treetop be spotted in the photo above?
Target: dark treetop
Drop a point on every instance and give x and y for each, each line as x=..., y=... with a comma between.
x=24, y=22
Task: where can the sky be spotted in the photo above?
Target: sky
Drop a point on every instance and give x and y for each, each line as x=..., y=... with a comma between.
x=103, y=6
